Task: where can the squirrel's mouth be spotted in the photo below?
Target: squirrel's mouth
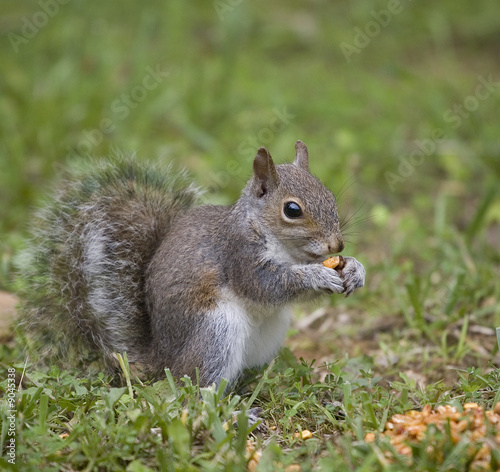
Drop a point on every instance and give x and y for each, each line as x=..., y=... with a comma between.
x=313, y=257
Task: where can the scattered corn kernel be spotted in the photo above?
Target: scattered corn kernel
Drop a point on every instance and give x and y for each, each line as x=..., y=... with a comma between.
x=471, y=423
x=305, y=434
x=253, y=456
x=370, y=437
x=468, y=406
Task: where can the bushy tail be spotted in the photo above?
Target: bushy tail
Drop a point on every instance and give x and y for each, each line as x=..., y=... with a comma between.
x=83, y=270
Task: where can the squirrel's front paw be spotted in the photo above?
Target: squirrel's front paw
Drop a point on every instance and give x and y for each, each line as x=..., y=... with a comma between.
x=319, y=277
x=353, y=275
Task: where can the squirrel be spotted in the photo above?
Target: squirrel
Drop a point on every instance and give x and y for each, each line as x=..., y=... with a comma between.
x=122, y=259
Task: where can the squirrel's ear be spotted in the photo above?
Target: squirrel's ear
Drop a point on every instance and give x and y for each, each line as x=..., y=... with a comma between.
x=301, y=156
x=264, y=171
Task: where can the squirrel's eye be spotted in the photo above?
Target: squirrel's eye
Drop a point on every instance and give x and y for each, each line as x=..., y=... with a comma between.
x=292, y=210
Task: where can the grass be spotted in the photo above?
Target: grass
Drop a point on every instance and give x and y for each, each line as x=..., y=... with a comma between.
x=406, y=132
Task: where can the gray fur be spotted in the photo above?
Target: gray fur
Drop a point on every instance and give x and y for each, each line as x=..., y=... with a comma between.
x=122, y=260
x=83, y=270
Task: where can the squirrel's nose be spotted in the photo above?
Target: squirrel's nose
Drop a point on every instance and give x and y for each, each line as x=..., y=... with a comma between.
x=336, y=246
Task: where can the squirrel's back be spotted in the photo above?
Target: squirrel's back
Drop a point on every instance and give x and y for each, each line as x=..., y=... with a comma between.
x=84, y=267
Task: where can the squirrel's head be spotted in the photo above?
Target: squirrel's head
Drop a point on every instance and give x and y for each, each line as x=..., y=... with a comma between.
x=295, y=207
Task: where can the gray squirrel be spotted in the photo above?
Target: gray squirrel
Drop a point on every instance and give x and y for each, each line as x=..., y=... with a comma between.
x=122, y=260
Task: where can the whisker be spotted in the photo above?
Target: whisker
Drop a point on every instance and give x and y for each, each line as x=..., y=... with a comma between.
x=354, y=222
x=350, y=217
x=346, y=187
x=356, y=233
x=352, y=243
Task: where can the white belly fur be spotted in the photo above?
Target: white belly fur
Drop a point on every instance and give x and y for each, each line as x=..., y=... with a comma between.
x=255, y=332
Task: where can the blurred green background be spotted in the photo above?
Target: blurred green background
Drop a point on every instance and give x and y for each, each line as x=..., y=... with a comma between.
x=398, y=102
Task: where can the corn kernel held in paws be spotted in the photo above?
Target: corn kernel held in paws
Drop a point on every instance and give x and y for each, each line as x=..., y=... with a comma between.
x=335, y=262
